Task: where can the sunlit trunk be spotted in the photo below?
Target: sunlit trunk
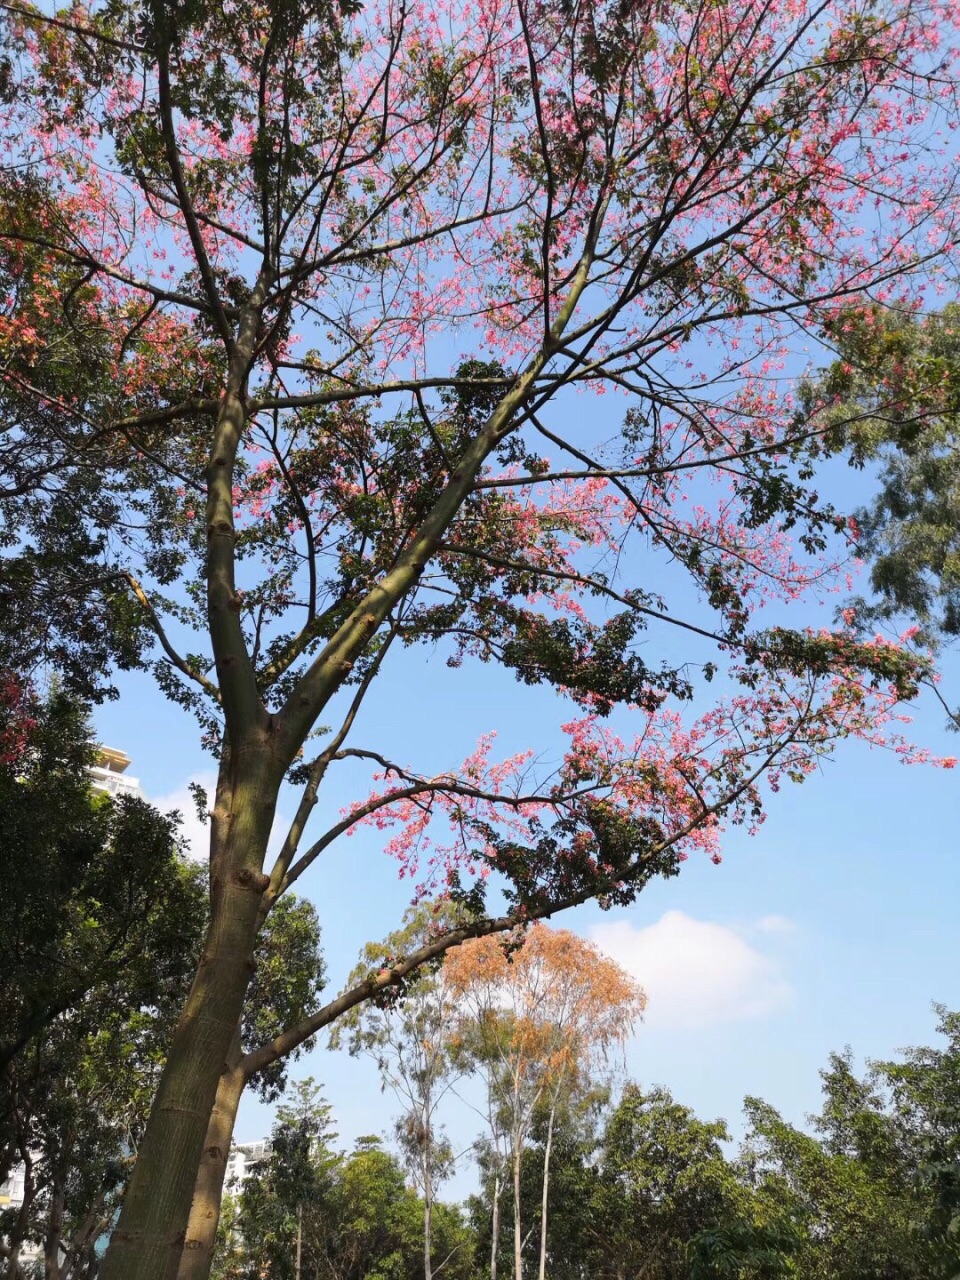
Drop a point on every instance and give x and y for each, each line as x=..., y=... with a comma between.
x=546, y=1193
x=427, y=1225
x=201, y=1239
x=517, y=1237
x=148, y=1240
x=495, y=1246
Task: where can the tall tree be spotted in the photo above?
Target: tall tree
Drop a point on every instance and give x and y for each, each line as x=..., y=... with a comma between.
x=855, y=1213
x=573, y=1222
x=902, y=1123
x=100, y=909
x=925, y=1089
x=334, y=1217
x=535, y=1020
x=267, y=1231
x=663, y=1181
x=374, y=1231
x=254, y=230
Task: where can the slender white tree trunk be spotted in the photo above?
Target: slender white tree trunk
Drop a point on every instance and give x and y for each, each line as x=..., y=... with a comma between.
x=517, y=1237
x=427, y=1218
x=495, y=1246
x=546, y=1191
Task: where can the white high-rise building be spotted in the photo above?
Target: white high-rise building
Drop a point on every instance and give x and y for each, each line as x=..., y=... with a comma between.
x=242, y=1158
x=109, y=774
x=11, y=1189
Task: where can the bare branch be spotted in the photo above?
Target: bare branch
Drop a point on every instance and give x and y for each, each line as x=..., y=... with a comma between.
x=175, y=659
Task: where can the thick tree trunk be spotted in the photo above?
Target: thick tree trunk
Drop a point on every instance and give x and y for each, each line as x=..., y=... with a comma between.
x=546, y=1193
x=201, y=1240
x=149, y=1238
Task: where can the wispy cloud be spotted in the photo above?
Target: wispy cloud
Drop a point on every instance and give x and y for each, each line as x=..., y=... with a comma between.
x=778, y=926
x=696, y=972
x=195, y=832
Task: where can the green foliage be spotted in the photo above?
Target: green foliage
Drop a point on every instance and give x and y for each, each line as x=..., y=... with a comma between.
x=870, y=1191
x=356, y=1217
x=924, y=1099
x=573, y=1227
x=894, y=397
x=100, y=927
x=743, y=1251
x=96, y=894
x=877, y=1191
x=282, y=1196
x=663, y=1179
x=628, y=1196
x=286, y=985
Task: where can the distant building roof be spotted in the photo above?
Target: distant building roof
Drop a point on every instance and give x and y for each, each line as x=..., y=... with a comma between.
x=108, y=774
x=112, y=759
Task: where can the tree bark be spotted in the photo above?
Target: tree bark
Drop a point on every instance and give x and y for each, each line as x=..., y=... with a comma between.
x=427, y=1225
x=54, y=1233
x=546, y=1192
x=517, y=1237
x=201, y=1239
x=148, y=1241
x=495, y=1246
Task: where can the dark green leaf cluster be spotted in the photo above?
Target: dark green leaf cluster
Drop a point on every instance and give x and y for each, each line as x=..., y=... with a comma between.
x=823, y=654
x=893, y=404
x=100, y=928
x=287, y=981
x=591, y=662
x=97, y=892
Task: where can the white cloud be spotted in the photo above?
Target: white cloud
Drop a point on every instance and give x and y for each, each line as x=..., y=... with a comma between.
x=695, y=972
x=775, y=925
x=196, y=833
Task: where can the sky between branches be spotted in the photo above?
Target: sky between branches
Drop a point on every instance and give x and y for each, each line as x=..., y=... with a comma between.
x=836, y=924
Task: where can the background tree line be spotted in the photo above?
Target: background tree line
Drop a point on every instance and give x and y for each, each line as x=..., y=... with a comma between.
x=868, y=1189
